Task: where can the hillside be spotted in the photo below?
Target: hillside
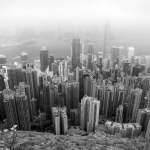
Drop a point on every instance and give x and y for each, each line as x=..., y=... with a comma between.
x=98, y=141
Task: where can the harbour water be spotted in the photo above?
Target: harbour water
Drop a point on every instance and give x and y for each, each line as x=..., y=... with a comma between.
x=63, y=48
x=54, y=46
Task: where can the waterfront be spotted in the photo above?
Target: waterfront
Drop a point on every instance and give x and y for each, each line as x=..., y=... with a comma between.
x=63, y=48
x=55, y=47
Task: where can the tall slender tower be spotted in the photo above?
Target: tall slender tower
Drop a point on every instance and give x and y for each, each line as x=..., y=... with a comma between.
x=44, y=58
x=90, y=56
x=75, y=52
x=106, y=40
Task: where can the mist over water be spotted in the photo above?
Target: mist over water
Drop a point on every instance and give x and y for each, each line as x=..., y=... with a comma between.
x=56, y=47
x=129, y=23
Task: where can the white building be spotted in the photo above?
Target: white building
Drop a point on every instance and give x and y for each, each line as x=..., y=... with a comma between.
x=131, y=52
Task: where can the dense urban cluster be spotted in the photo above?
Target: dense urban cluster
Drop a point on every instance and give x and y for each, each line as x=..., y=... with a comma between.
x=56, y=94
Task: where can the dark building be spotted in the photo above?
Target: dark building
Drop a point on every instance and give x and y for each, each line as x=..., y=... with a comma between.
x=2, y=61
x=75, y=52
x=44, y=58
x=51, y=60
x=2, y=83
x=2, y=108
x=91, y=49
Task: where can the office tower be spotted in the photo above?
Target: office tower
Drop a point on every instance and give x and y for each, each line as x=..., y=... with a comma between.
x=119, y=114
x=90, y=59
x=37, y=64
x=2, y=108
x=132, y=64
x=10, y=78
x=10, y=108
x=87, y=86
x=56, y=120
x=14, y=76
x=68, y=97
x=81, y=47
x=136, y=68
x=55, y=87
x=46, y=98
x=99, y=55
x=23, y=110
x=23, y=72
x=28, y=94
x=91, y=49
x=70, y=76
x=75, y=62
x=131, y=51
x=44, y=58
x=147, y=65
x=81, y=85
x=108, y=99
x=106, y=40
x=64, y=121
x=118, y=96
x=41, y=81
x=35, y=83
x=75, y=94
x=83, y=113
x=75, y=52
x=77, y=74
x=51, y=60
x=126, y=67
x=138, y=94
x=29, y=79
x=34, y=107
x=2, y=83
x=24, y=56
x=72, y=117
x=54, y=68
x=2, y=61
x=99, y=96
x=61, y=102
x=142, y=59
x=116, y=53
x=89, y=113
x=93, y=87
x=75, y=117
x=143, y=119
x=133, y=101
x=60, y=69
x=18, y=75
x=82, y=59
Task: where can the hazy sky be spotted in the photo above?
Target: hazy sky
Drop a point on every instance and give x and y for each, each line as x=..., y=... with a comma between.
x=77, y=12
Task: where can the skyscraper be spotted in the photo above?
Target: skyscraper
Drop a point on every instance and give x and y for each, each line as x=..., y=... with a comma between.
x=2, y=108
x=131, y=52
x=10, y=108
x=44, y=58
x=51, y=60
x=89, y=113
x=81, y=47
x=2, y=61
x=91, y=49
x=2, y=83
x=106, y=40
x=75, y=52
